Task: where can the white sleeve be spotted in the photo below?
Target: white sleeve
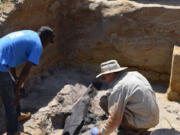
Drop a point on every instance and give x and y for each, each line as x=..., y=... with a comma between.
x=116, y=105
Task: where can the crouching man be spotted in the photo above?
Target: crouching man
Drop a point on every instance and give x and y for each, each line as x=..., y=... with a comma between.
x=131, y=105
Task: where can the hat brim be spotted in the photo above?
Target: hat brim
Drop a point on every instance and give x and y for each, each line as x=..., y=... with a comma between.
x=112, y=71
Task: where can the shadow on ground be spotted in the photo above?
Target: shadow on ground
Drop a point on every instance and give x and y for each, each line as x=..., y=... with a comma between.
x=159, y=87
x=161, y=2
x=165, y=132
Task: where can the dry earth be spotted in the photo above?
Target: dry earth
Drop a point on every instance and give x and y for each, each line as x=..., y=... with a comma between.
x=5, y=9
x=45, y=92
x=44, y=100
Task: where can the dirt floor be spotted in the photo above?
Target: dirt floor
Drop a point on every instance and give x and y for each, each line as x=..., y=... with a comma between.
x=45, y=88
x=169, y=111
x=42, y=91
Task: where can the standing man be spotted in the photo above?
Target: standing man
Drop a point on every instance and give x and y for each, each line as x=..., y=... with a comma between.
x=17, y=48
x=131, y=104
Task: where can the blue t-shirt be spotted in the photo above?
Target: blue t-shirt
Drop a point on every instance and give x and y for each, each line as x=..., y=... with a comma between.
x=19, y=47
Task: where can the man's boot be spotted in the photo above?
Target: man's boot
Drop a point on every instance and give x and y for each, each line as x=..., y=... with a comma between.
x=24, y=116
x=17, y=133
x=21, y=133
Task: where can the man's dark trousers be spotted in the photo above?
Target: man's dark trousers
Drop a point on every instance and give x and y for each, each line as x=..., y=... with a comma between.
x=7, y=95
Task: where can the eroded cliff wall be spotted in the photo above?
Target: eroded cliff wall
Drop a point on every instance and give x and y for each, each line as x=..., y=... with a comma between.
x=91, y=31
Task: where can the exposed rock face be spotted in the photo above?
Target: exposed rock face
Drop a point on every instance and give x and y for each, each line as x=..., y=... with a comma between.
x=135, y=34
x=89, y=32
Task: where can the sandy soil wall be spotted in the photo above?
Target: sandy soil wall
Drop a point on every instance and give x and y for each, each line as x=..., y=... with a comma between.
x=138, y=35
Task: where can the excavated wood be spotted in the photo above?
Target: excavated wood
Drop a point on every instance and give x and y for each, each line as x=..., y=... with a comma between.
x=75, y=121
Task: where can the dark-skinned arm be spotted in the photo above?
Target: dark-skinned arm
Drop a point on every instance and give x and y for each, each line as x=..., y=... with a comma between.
x=23, y=75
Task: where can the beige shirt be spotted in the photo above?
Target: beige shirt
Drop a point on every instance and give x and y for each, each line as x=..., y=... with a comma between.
x=132, y=97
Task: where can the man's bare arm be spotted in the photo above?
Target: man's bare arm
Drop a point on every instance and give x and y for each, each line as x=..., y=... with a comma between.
x=23, y=75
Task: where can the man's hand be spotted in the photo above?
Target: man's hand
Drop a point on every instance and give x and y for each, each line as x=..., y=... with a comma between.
x=24, y=73
x=95, y=131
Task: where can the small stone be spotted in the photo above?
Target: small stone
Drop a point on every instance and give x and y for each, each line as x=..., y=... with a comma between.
x=60, y=99
x=178, y=117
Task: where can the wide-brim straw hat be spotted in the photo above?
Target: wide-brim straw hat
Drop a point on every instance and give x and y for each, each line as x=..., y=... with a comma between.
x=110, y=66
